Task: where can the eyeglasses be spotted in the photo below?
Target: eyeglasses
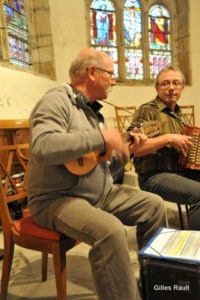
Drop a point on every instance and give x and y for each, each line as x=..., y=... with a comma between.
x=166, y=84
x=112, y=75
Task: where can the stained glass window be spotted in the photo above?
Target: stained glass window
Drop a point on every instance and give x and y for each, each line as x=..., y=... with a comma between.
x=17, y=32
x=136, y=55
x=138, y=36
x=159, y=39
x=103, y=29
x=133, y=39
x=103, y=23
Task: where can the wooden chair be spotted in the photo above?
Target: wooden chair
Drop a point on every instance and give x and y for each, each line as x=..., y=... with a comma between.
x=14, y=131
x=124, y=116
x=188, y=111
x=25, y=232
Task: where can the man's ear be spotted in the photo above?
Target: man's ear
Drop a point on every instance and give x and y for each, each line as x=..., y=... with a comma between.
x=91, y=73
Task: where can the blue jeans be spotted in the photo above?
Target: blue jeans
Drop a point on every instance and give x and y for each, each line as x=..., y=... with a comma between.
x=102, y=228
x=181, y=188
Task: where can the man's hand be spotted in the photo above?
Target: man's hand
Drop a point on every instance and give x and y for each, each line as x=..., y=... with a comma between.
x=114, y=142
x=182, y=143
x=138, y=140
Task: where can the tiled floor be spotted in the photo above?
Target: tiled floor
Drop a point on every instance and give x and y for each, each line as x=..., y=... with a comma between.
x=25, y=281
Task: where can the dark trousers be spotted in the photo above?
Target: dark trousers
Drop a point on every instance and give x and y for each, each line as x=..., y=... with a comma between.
x=182, y=188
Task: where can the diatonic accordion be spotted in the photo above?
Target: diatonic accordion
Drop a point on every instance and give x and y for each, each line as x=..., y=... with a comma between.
x=192, y=161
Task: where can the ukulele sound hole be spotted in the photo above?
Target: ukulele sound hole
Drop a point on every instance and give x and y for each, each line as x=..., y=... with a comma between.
x=80, y=161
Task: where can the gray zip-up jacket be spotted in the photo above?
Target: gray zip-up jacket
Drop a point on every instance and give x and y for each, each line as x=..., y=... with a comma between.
x=63, y=129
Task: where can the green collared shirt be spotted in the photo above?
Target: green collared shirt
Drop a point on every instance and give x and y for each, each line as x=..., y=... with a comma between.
x=157, y=110
x=167, y=158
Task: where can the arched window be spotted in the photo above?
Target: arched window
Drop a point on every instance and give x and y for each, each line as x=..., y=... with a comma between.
x=133, y=40
x=18, y=33
x=160, y=50
x=141, y=36
x=22, y=38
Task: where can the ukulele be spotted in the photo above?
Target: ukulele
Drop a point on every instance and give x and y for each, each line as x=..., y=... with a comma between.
x=89, y=161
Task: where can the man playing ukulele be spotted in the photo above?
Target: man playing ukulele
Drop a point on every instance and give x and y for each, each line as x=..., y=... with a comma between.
x=88, y=207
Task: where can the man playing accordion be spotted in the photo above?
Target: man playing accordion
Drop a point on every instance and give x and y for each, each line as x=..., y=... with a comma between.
x=158, y=161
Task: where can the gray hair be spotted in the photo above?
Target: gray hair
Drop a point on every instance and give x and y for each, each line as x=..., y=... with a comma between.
x=86, y=58
x=170, y=68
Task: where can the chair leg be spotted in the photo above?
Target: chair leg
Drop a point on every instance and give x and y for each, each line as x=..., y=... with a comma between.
x=59, y=258
x=180, y=216
x=187, y=207
x=7, y=264
x=44, y=265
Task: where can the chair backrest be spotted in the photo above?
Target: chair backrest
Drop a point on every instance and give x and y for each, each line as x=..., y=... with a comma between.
x=13, y=132
x=124, y=116
x=188, y=111
x=12, y=184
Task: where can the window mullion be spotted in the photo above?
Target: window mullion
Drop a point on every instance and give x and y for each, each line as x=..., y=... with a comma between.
x=4, y=51
x=121, y=45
